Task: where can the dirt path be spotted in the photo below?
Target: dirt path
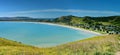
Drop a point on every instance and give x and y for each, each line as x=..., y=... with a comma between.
x=118, y=53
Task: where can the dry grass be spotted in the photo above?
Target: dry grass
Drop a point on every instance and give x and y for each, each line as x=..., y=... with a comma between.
x=99, y=45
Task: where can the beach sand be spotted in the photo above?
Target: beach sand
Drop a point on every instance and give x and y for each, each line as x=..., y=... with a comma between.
x=75, y=28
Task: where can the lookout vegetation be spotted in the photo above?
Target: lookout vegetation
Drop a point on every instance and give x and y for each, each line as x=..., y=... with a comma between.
x=98, y=45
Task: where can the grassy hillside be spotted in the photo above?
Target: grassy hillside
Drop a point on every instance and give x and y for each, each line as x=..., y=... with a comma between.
x=9, y=47
x=104, y=25
x=6, y=42
x=99, y=45
x=110, y=20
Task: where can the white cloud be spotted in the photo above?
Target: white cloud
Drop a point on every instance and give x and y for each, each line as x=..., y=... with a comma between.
x=67, y=10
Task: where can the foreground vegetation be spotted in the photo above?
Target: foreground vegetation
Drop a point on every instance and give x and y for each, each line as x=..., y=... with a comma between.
x=99, y=45
x=9, y=47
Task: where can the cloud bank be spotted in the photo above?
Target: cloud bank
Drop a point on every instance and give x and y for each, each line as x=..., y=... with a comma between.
x=51, y=13
x=66, y=10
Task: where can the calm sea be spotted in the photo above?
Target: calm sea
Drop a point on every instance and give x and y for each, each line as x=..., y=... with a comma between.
x=41, y=35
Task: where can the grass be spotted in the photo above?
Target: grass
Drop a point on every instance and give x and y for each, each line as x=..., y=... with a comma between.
x=99, y=45
x=9, y=47
x=105, y=23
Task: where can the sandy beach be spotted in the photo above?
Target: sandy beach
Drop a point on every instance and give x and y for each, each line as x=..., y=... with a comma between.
x=75, y=28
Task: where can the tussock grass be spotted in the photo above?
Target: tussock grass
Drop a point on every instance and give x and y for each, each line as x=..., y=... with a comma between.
x=99, y=45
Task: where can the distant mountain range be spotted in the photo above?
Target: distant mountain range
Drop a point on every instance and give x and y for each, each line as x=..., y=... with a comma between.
x=25, y=19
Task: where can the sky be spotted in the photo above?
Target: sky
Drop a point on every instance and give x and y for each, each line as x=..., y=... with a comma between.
x=57, y=8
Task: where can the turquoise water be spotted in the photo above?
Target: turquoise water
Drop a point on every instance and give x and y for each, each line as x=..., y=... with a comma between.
x=41, y=35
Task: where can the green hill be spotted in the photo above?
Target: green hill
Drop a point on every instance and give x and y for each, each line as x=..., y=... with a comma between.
x=99, y=45
x=9, y=47
x=105, y=25
x=109, y=20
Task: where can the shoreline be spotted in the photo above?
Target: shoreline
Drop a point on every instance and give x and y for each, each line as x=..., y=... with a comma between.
x=71, y=27
x=66, y=26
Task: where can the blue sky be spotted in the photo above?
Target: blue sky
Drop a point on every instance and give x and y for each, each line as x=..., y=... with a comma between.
x=56, y=8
